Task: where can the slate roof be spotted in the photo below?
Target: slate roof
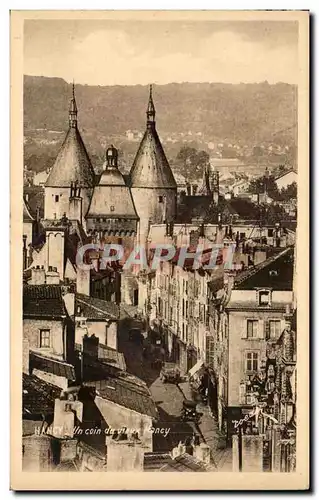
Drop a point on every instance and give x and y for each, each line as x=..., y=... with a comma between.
x=59, y=368
x=118, y=197
x=111, y=356
x=276, y=272
x=186, y=463
x=43, y=301
x=96, y=309
x=126, y=393
x=68, y=466
x=155, y=461
x=38, y=396
x=150, y=167
x=72, y=163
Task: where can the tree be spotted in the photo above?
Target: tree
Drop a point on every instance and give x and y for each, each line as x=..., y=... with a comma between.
x=192, y=162
x=288, y=193
x=265, y=183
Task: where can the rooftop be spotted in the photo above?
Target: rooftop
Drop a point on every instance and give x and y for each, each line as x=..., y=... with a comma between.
x=276, y=272
x=56, y=367
x=38, y=396
x=43, y=301
x=186, y=463
x=126, y=393
x=96, y=309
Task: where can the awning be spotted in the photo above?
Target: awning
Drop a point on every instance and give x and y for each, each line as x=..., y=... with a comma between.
x=196, y=368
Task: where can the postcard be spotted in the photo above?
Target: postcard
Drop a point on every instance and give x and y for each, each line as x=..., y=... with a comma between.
x=159, y=228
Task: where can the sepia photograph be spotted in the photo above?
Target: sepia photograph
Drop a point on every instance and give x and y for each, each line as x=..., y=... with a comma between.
x=159, y=213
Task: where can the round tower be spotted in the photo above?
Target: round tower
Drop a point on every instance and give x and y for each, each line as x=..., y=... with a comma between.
x=72, y=165
x=152, y=183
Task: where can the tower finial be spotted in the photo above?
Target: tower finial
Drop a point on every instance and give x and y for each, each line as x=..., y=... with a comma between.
x=73, y=110
x=150, y=113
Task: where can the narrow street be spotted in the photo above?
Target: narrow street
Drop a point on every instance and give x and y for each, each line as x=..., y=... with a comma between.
x=169, y=401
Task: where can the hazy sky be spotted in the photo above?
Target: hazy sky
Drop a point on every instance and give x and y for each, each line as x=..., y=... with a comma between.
x=139, y=52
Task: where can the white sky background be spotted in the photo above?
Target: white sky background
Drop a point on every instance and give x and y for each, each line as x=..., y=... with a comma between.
x=104, y=52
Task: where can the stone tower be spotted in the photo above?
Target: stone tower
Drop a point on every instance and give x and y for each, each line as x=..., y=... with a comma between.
x=152, y=183
x=71, y=166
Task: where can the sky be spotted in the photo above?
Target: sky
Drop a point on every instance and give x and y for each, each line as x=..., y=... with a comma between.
x=112, y=52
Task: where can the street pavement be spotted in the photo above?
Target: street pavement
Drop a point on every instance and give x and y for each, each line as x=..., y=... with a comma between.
x=169, y=400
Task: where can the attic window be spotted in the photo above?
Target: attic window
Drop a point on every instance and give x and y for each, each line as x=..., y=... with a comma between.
x=273, y=272
x=112, y=208
x=160, y=199
x=56, y=198
x=264, y=298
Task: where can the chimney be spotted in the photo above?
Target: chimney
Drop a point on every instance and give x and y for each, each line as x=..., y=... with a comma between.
x=55, y=244
x=90, y=345
x=66, y=413
x=180, y=449
x=202, y=452
x=38, y=275
x=75, y=203
x=52, y=276
x=259, y=256
x=125, y=453
x=83, y=280
x=25, y=356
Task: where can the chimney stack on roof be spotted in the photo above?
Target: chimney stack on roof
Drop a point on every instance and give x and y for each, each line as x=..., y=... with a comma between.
x=38, y=275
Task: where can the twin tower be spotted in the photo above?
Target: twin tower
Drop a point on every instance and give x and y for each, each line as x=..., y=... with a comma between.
x=111, y=206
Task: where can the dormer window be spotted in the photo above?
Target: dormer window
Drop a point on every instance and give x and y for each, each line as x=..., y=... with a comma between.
x=264, y=298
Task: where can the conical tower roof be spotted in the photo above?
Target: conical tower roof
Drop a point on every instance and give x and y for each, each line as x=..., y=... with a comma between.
x=73, y=162
x=151, y=168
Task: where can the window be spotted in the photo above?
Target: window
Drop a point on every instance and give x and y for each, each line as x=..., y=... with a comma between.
x=44, y=338
x=160, y=199
x=56, y=198
x=251, y=361
x=274, y=328
x=270, y=233
x=170, y=315
x=112, y=208
x=264, y=298
x=252, y=328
